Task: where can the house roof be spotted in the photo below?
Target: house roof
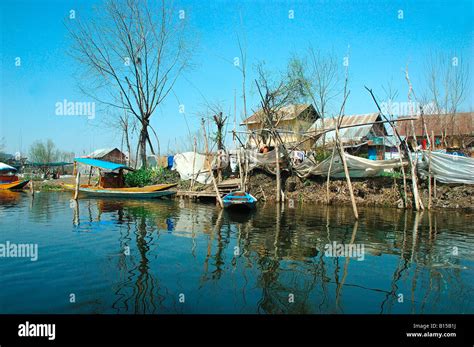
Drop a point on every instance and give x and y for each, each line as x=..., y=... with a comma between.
x=99, y=153
x=457, y=124
x=289, y=112
x=346, y=134
x=107, y=165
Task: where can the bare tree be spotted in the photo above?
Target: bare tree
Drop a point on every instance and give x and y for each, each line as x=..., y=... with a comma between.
x=274, y=95
x=320, y=78
x=133, y=50
x=43, y=154
x=447, y=86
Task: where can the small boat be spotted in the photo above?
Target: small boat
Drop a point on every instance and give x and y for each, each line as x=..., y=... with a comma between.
x=112, y=183
x=9, y=179
x=239, y=200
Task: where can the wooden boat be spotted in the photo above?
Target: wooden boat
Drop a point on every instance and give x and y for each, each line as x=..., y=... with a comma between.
x=8, y=179
x=239, y=200
x=112, y=183
x=18, y=184
x=123, y=193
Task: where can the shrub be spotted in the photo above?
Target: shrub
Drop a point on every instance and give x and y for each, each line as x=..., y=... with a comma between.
x=139, y=178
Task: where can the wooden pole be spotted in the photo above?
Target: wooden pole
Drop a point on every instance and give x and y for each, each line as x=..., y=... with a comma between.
x=329, y=173
x=278, y=178
x=348, y=178
x=429, y=179
x=218, y=195
x=78, y=180
x=32, y=188
x=90, y=175
x=194, y=164
x=405, y=202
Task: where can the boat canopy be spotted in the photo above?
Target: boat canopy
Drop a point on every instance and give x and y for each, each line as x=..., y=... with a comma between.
x=7, y=168
x=107, y=165
x=60, y=163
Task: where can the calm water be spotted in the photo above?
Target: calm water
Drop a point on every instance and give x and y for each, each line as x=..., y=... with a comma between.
x=230, y=263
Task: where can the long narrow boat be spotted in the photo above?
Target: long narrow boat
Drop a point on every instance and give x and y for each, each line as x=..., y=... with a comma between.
x=8, y=179
x=120, y=193
x=239, y=200
x=111, y=183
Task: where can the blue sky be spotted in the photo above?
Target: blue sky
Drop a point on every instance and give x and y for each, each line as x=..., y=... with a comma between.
x=380, y=47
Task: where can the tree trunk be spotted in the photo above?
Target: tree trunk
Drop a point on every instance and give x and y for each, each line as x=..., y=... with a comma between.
x=142, y=145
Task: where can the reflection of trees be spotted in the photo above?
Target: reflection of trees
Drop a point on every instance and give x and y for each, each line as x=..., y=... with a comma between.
x=281, y=252
x=138, y=291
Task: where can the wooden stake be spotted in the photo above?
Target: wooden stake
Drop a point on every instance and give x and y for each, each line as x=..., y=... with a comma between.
x=429, y=179
x=90, y=175
x=329, y=173
x=348, y=178
x=278, y=179
x=218, y=195
x=32, y=188
x=78, y=180
x=194, y=163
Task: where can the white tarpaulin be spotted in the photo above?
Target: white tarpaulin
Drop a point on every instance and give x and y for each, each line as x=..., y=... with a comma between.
x=183, y=163
x=448, y=168
x=358, y=167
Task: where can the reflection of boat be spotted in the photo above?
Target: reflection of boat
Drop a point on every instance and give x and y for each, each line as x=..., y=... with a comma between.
x=8, y=179
x=112, y=183
x=239, y=200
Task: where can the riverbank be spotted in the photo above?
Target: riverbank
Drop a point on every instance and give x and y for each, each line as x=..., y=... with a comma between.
x=375, y=192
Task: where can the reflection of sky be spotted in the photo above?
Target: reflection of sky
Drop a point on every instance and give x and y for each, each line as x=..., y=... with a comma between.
x=231, y=264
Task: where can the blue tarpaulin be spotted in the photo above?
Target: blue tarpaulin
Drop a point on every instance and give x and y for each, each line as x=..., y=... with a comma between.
x=107, y=165
x=170, y=161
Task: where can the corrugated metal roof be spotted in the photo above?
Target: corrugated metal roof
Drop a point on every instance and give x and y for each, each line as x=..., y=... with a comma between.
x=347, y=134
x=285, y=113
x=457, y=124
x=99, y=153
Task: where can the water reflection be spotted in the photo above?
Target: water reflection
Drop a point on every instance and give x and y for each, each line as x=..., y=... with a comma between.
x=272, y=260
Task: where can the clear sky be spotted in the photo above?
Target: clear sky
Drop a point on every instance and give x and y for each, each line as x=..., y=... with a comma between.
x=380, y=44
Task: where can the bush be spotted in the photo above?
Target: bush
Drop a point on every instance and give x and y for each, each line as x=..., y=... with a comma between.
x=149, y=176
x=321, y=154
x=139, y=178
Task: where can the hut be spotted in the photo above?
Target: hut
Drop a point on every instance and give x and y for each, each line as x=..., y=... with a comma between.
x=290, y=121
x=113, y=155
x=452, y=132
x=362, y=135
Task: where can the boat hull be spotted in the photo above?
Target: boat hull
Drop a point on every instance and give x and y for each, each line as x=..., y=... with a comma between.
x=14, y=185
x=109, y=193
x=239, y=201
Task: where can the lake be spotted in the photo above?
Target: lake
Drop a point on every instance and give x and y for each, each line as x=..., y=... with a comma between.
x=171, y=256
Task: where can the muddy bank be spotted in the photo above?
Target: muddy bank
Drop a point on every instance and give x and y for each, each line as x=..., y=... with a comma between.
x=380, y=191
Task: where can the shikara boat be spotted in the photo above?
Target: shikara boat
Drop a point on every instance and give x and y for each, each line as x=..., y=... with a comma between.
x=112, y=183
x=239, y=200
x=9, y=179
x=140, y=193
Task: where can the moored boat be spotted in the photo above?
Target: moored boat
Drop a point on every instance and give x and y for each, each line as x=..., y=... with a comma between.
x=9, y=179
x=112, y=183
x=239, y=200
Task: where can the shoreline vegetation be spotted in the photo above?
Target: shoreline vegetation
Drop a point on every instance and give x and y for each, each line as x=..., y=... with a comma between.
x=368, y=192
